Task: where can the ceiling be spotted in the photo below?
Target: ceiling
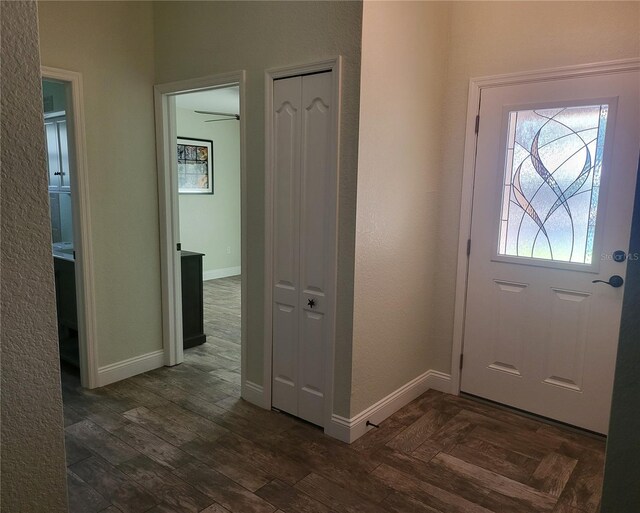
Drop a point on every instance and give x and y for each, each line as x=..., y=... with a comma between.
x=225, y=99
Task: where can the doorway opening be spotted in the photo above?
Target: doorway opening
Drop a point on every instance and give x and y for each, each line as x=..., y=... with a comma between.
x=69, y=210
x=208, y=153
x=61, y=212
x=201, y=187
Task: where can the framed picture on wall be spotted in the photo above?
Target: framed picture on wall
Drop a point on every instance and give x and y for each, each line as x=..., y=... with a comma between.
x=195, y=166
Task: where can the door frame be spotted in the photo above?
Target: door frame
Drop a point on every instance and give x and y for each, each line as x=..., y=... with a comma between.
x=166, y=134
x=476, y=85
x=334, y=65
x=84, y=267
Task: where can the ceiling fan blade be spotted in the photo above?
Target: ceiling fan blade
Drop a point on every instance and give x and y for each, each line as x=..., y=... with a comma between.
x=210, y=113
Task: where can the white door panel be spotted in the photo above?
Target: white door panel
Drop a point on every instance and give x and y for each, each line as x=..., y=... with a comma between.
x=553, y=195
x=65, y=177
x=286, y=182
x=315, y=162
x=53, y=153
x=285, y=366
x=509, y=318
x=316, y=224
x=303, y=227
x=286, y=228
x=312, y=340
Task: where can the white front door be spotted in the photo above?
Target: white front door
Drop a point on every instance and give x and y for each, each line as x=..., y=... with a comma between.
x=553, y=196
x=303, y=231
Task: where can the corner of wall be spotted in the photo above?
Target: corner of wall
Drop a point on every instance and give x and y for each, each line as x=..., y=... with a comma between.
x=348, y=430
x=33, y=460
x=395, y=329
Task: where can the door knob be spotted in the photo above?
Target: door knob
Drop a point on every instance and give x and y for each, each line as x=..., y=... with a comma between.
x=311, y=303
x=615, y=281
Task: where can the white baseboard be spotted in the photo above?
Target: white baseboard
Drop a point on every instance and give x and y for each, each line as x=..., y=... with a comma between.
x=254, y=393
x=131, y=367
x=215, y=274
x=349, y=430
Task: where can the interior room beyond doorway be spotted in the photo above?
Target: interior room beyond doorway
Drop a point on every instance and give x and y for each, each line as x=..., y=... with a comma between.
x=209, y=181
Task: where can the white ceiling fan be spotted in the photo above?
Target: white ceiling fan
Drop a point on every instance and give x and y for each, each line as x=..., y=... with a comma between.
x=226, y=116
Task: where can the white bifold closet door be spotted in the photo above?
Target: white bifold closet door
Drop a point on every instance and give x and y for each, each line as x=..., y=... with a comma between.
x=303, y=230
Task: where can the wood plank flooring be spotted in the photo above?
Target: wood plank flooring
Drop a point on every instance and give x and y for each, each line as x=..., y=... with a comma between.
x=181, y=440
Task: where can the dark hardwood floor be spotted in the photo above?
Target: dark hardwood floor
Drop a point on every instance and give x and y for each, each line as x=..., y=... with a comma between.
x=180, y=439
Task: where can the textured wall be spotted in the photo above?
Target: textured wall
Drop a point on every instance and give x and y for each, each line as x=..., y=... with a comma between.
x=490, y=38
x=33, y=464
x=209, y=223
x=111, y=44
x=199, y=38
x=404, y=48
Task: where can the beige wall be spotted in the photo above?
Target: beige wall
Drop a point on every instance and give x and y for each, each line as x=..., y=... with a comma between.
x=210, y=223
x=417, y=60
x=404, y=47
x=197, y=39
x=111, y=44
x=502, y=37
x=33, y=462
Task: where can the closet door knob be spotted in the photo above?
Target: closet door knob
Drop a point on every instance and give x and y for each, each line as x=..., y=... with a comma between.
x=311, y=303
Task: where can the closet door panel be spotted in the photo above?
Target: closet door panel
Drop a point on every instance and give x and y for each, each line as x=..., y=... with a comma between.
x=303, y=234
x=316, y=129
x=286, y=236
x=315, y=220
x=311, y=368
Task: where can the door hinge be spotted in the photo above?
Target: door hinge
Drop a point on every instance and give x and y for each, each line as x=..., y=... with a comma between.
x=477, y=123
x=178, y=247
x=468, y=247
x=461, y=360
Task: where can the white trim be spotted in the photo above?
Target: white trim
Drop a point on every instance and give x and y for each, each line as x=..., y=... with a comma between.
x=215, y=274
x=333, y=65
x=130, y=367
x=349, y=430
x=164, y=97
x=545, y=75
x=254, y=393
x=84, y=268
x=169, y=226
x=464, y=234
x=473, y=107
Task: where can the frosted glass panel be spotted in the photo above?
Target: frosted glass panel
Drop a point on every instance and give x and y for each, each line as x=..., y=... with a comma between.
x=552, y=182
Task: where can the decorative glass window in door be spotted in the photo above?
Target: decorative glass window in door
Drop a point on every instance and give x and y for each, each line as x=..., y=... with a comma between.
x=552, y=183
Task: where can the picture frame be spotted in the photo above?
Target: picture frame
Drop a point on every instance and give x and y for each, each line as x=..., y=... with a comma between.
x=195, y=165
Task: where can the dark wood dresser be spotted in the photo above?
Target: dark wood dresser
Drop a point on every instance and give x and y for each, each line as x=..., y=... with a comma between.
x=192, y=300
